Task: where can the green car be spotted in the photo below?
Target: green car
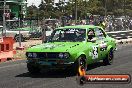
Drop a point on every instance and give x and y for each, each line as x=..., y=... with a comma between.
x=70, y=47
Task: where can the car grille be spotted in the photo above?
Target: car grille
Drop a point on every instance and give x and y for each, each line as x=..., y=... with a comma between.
x=48, y=55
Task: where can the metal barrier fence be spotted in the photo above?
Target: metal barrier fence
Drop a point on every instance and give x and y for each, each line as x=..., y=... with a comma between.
x=120, y=34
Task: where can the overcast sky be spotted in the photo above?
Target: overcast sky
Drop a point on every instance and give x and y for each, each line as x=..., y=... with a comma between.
x=37, y=2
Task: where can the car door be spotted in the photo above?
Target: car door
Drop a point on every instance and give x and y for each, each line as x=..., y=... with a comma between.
x=101, y=41
x=93, y=50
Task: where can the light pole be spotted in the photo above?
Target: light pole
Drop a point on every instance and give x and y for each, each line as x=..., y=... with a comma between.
x=75, y=11
x=4, y=22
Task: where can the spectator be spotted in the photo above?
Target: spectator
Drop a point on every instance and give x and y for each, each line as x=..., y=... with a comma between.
x=102, y=24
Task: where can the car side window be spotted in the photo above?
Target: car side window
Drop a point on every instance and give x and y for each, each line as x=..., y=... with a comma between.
x=102, y=32
x=99, y=33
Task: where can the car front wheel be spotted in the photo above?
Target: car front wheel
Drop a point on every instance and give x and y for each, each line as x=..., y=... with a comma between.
x=81, y=62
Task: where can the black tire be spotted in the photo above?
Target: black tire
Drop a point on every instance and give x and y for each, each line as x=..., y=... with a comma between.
x=80, y=62
x=33, y=69
x=17, y=38
x=109, y=58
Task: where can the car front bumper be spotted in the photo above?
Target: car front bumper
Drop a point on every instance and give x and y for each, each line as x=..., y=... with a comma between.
x=51, y=65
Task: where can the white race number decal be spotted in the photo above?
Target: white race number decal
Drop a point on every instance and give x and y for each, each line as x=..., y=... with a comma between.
x=94, y=52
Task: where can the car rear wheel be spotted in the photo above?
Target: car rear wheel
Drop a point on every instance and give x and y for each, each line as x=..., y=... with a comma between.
x=109, y=58
x=33, y=69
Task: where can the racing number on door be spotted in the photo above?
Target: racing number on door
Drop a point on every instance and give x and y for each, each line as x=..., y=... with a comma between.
x=94, y=52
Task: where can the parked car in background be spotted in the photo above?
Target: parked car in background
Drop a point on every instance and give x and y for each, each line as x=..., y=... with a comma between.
x=49, y=25
x=53, y=23
x=37, y=32
x=24, y=33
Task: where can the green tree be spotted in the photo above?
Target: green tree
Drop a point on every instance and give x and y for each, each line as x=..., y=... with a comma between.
x=32, y=11
x=47, y=8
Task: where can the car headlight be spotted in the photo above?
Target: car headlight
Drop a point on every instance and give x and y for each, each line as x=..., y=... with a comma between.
x=29, y=55
x=34, y=55
x=64, y=55
x=61, y=55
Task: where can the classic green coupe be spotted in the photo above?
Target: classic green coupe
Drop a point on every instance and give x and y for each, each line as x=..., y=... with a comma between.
x=70, y=47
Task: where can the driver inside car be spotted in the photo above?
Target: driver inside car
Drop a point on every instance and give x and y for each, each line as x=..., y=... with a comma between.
x=91, y=35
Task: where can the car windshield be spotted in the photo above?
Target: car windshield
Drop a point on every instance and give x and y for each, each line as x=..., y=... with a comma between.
x=68, y=35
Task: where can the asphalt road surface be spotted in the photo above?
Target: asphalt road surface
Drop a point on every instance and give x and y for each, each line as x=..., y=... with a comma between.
x=14, y=74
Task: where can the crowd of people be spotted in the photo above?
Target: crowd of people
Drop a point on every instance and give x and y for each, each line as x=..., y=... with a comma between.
x=108, y=23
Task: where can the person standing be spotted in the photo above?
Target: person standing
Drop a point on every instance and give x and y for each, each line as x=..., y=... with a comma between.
x=44, y=27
